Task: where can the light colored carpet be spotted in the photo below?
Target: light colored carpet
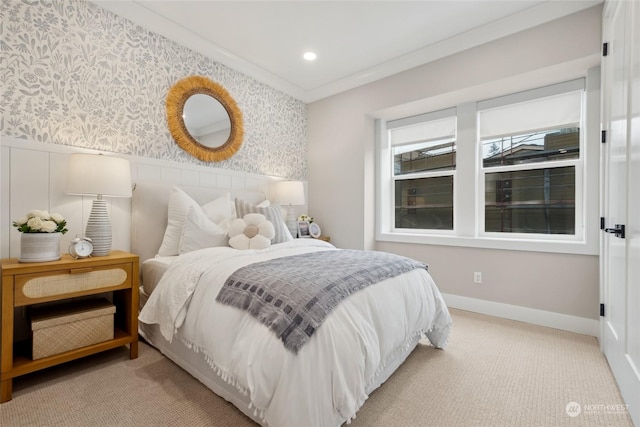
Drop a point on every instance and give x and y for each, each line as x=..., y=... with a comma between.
x=494, y=372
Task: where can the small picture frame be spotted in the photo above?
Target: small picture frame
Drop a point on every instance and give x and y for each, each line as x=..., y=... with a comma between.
x=303, y=229
x=314, y=230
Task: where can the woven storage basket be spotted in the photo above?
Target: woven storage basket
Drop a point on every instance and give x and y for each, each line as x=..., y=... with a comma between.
x=64, y=327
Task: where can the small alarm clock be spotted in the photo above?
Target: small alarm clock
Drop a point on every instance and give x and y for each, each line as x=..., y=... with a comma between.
x=80, y=247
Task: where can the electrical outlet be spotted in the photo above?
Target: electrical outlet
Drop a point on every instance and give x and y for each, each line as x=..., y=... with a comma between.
x=477, y=277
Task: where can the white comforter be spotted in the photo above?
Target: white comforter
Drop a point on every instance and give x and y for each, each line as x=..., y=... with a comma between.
x=326, y=382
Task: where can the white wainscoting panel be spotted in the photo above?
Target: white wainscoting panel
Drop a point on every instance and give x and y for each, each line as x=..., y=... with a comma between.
x=34, y=177
x=5, y=222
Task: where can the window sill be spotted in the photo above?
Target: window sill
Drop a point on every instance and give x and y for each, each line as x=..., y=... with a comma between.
x=530, y=245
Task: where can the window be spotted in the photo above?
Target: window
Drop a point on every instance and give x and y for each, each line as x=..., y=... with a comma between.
x=540, y=201
x=424, y=163
x=506, y=172
x=530, y=158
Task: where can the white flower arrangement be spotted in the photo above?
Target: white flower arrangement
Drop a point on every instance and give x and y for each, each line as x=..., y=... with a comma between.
x=39, y=221
x=305, y=217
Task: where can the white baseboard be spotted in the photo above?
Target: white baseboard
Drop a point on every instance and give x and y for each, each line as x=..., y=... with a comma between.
x=580, y=325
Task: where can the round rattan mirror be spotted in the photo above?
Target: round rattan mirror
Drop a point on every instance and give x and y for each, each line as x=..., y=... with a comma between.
x=177, y=98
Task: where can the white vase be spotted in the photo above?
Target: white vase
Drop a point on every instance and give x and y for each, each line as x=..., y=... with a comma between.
x=39, y=247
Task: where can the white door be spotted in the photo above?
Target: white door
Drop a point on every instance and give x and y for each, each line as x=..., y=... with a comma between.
x=620, y=254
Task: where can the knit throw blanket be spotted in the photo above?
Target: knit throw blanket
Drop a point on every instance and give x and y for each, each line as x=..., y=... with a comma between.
x=292, y=295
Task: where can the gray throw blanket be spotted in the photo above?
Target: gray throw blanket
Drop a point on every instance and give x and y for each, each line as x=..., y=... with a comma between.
x=292, y=295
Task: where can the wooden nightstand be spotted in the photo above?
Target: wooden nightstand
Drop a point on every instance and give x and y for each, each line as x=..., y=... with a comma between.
x=325, y=239
x=31, y=284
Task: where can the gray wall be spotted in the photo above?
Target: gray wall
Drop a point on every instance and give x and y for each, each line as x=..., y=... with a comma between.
x=341, y=162
x=78, y=75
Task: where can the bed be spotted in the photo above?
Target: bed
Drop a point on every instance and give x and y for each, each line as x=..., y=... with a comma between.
x=318, y=375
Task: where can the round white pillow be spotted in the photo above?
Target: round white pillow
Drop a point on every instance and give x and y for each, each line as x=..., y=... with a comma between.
x=253, y=231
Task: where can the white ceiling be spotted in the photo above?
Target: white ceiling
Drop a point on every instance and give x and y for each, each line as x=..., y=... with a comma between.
x=357, y=42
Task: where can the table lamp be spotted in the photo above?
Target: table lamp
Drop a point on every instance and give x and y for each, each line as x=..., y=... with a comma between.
x=289, y=193
x=101, y=176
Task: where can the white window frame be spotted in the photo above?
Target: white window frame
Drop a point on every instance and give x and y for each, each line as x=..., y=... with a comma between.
x=468, y=228
x=531, y=95
x=422, y=118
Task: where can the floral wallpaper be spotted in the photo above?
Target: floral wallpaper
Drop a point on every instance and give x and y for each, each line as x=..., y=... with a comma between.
x=73, y=73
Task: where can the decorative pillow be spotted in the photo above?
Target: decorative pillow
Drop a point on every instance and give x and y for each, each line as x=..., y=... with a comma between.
x=179, y=205
x=288, y=236
x=200, y=232
x=253, y=231
x=272, y=213
x=267, y=203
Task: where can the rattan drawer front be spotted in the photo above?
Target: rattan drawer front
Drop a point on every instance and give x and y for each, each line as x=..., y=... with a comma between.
x=33, y=288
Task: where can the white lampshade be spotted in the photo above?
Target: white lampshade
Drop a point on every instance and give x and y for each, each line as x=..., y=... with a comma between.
x=288, y=193
x=95, y=174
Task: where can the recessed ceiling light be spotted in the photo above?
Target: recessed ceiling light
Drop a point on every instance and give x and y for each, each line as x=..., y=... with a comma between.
x=309, y=56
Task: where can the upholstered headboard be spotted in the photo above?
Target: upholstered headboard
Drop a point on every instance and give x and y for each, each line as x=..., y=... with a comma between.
x=149, y=212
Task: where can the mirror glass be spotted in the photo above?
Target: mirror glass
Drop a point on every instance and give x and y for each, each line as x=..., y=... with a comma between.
x=206, y=120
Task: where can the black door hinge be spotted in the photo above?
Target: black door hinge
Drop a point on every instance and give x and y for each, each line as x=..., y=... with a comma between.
x=601, y=223
x=605, y=49
x=603, y=136
x=601, y=310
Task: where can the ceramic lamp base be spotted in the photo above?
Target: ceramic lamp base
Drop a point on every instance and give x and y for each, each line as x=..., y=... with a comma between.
x=292, y=222
x=99, y=228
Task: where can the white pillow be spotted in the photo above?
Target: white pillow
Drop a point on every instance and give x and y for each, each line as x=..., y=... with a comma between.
x=221, y=210
x=179, y=205
x=200, y=232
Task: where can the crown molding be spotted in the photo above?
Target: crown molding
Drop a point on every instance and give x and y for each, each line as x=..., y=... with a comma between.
x=532, y=17
x=136, y=12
